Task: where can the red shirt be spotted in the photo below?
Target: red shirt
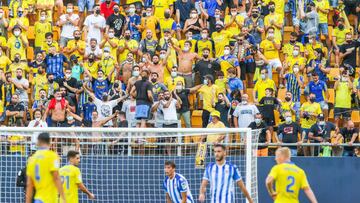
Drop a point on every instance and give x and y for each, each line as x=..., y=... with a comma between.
x=105, y=10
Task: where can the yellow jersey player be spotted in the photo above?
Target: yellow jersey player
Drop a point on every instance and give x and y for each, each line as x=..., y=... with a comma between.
x=71, y=179
x=289, y=179
x=43, y=174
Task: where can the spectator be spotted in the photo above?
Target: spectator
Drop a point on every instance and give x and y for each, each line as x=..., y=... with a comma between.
x=69, y=23
x=20, y=20
x=349, y=135
x=91, y=65
x=234, y=82
x=274, y=20
x=149, y=23
x=343, y=90
x=233, y=21
x=206, y=66
x=87, y=109
x=18, y=63
x=127, y=70
x=348, y=51
x=75, y=46
x=42, y=102
x=36, y=123
x=288, y=132
x=135, y=77
x=36, y=63
x=289, y=105
x=221, y=38
x=205, y=43
x=264, y=135
x=262, y=85
x=269, y=103
x=108, y=64
x=244, y=51
x=4, y=23
x=157, y=65
x=15, y=112
x=319, y=88
x=310, y=20
x=21, y=86
x=142, y=91
x=323, y=8
x=93, y=49
x=148, y=44
x=160, y=6
x=55, y=63
x=107, y=8
x=129, y=107
x=319, y=65
x=320, y=132
x=215, y=123
x=244, y=112
x=311, y=46
x=76, y=69
x=208, y=9
x=94, y=25
x=295, y=58
x=227, y=60
x=194, y=24
x=110, y=42
x=339, y=38
x=134, y=21
x=223, y=106
x=101, y=84
x=41, y=27
x=170, y=83
x=167, y=24
x=255, y=23
x=17, y=44
x=85, y=5
x=116, y=21
x=127, y=45
x=116, y=92
x=39, y=82
x=51, y=85
x=157, y=86
x=50, y=42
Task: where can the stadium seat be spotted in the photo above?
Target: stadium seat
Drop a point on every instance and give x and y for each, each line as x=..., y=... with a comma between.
x=355, y=116
x=334, y=72
x=331, y=115
x=331, y=96
x=249, y=92
x=196, y=119
x=31, y=33
x=30, y=53
x=281, y=94
x=56, y=32
x=277, y=117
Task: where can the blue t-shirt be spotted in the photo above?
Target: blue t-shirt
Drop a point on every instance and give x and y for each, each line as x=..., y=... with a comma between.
x=317, y=89
x=235, y=84
x=87, y=110
x=100, y=87
x=136, y=20
x=211, y=5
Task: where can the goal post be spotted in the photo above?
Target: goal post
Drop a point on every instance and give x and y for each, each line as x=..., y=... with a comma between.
x=126, y=164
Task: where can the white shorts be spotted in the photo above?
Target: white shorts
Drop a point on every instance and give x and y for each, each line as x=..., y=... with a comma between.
x=274, y=63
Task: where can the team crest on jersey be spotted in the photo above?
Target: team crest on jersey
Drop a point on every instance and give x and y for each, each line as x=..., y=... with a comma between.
x=183, y=185
x=227, y=171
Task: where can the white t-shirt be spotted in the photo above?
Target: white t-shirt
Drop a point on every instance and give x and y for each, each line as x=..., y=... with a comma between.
x=245, y=114
x=170, y=112
x=23, y=95
x=68, y=28
x=93, y=32
x=35, y=135
x=97, y=51
x=129, y=108
x=105, y=109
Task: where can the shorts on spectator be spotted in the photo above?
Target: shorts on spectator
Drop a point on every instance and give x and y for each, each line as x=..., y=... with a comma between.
x=269, y=121
x=275, y=63
x=324, y=105
x=304, y=133
x=86, y=4
x=142, y=112
x=323, y=29
x=64, y=41
x=344, y=113
x=296, y=21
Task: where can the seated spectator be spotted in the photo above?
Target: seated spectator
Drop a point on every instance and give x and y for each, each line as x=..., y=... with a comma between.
x=349, y=135
x=50, y=42
x=264, y=136
x=215, y=123
x=320, y=132
x=16, y=112
x=288, y=132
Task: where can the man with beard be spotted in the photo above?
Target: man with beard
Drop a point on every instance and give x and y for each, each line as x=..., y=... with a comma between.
x=148, y=44
x=15, y=112
x=57, y=109
x=157, y=66
x=21, y=86
x=126, y=68
x=127, y=45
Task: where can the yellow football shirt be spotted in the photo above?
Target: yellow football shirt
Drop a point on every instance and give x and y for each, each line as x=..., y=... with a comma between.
x=24, y=21
x=221, y=83
x=270, y=51
x=166, y=24
x=14, y=5
x=310, y=49
x=70, y=178
x=301, y=61
x=234, y=27
x=40, y=30
x=209, y=96
x=289, y=179
x=39, y=169
x=323, y=4
x=277, y=19
x=132, y=44
x=113, y=50
x=279, y=6
x=340, y=35
x=16, y=46
x=310, y=108
x=221, y=39
x=72, y=44
x=107, y=65
x=170, y=82
x=2, y=41
x=93, y=68
x=45, y=46
x=212, y=138
x=262, y=85
x=23, y=65
x=289, y=48
x=205, y=44
x=4, y=62
x=160, y=6
x=39, y=82
x=149, y=23
x=343, y=96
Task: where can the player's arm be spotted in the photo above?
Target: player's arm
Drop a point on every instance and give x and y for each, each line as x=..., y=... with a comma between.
x=269, y=186
x=168, y=199
x=310, y=195
x=204, y=183
x=83, y=188
x=29, y=190
x=56, y=178
x=243, y=189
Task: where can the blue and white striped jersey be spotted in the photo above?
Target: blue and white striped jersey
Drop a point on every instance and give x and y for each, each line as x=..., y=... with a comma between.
x=222, y=181
x=174, y=187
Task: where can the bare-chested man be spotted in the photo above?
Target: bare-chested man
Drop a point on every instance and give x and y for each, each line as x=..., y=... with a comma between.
x=135, y=77
x=127, y=67
x=156, y=65
x=186, y=61
x=57, y=109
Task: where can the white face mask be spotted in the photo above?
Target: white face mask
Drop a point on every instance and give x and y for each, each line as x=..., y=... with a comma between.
x=206, y=82
x=226, y=52
x=69, y=10
x=295, y=53
x=288, y=120
x=37, y=119
x=322, y=123
x=270, y=35
x=70, y=118
x=131, y=10
x=166, y=38
x=106, y=54
x=311, y=41
x=296, y=70
x=193, y=15
x=217, y=16
x=136, y=73
x=257, y=121
x=204, y=36
x=148, y=13
x=186, y=48
x=111, y=35
x=263, y=76
x=42, y=18
x=179, y=87
x=68, y=75
x=162, y=56
x=244, y=102
x=58, y=98
x=86, y=79
x=173, y=74
x=234, y=13
x=17, y=33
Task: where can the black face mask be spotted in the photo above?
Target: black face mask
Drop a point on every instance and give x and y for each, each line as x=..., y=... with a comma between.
x=19, y=77
x=218, y=29
x=63, y=94
x=341, y=27
x=76, y=38
x=167, y=98
x=75, y=61
x=272, y=9
x=153, y=80
x=220, y=100
x=349, y=41
x=312, y=99
x=145, y=78
x=167, y=15
x=40, y=72
x=287, y=99
x=205, y=56
x=97, y=11
x=144, y=15
x=90, y=99
x=91, y=60
x=17, y=60
x=255, y=15
x=308, y=9
x=51, y=81
x=108, y=1
x=51, y=54
x=116, y=10
x=292, y=41
x=127, y=37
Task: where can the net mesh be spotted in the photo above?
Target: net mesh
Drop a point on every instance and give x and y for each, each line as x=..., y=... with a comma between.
x=128, y=166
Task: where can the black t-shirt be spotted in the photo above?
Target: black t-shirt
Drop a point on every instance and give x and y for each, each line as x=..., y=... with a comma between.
x=184, y=9
x=289, y=133
x=223, y=109
x=123, y=124
x=347, y=135
x=184, y=96
x=117, y=22
x=116, y=95
x=142, y=87
x=267, y=110
x=351, y=58
x=323, y=131
x=206, y=68
x=15, y=120
x=262, y=136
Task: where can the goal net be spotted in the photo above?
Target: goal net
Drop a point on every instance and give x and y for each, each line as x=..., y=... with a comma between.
x=127, y=164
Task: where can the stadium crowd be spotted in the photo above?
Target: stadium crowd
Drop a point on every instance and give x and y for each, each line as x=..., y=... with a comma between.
x=285, y=67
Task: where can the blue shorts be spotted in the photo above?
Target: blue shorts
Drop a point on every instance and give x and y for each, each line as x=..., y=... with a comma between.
x=323, y=29
x=86, y=4
x=142, y=111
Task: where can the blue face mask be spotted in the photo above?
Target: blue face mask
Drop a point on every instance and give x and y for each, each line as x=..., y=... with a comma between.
x=19, y=13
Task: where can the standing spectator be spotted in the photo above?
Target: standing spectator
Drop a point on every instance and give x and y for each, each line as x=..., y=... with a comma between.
x=310, y=19
x=91, y=65
x=108, y=64
x=36, y=63
x=87, y=109
x=319, y=88
x=55, y=63
x=69, y=23
x=348, y=51
x=39, y=82
x=36, y=123
x=134, y=21
x=160, y=6
x=149, y=23
x=167, y=24
x=93, y=49
x=323, y=8
x=319, y=65
x=244, y=112
x=51, y=85
x=156, y=65
x=15, y=112
x=262, y=85
x=116, y=21
x=157, y=85
x=206, y=66
x=76, y=68
x=142, y=91
x=269, y=103
x=349, y=135
x=135, y=77
x=21, y=87
x=339, y=38
x=227, y=60
x=18, y=63
x=4, y=23
x=94, y=25
x=171, y=82
x=233, y=21
x=20, y=20
x=209, y=93
x=75, y=46
x=288, y=132
x=343, y=90
x=17, y=44
x=129, y=107
x=264, y=135
x=205, y=43
x=320, y=132
x=101, y=84
x=270, y=48
x=148, y=44
x=107, y=8
x=223, y=106
x=42, y=102
x=41, y=27
x=184, y=9
x=234, y=82
x=221, y=38
x=50, y=42
x=255, y=23
x=208, y=9
x=85, y=5
x=127, y=45
x=184, y=110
